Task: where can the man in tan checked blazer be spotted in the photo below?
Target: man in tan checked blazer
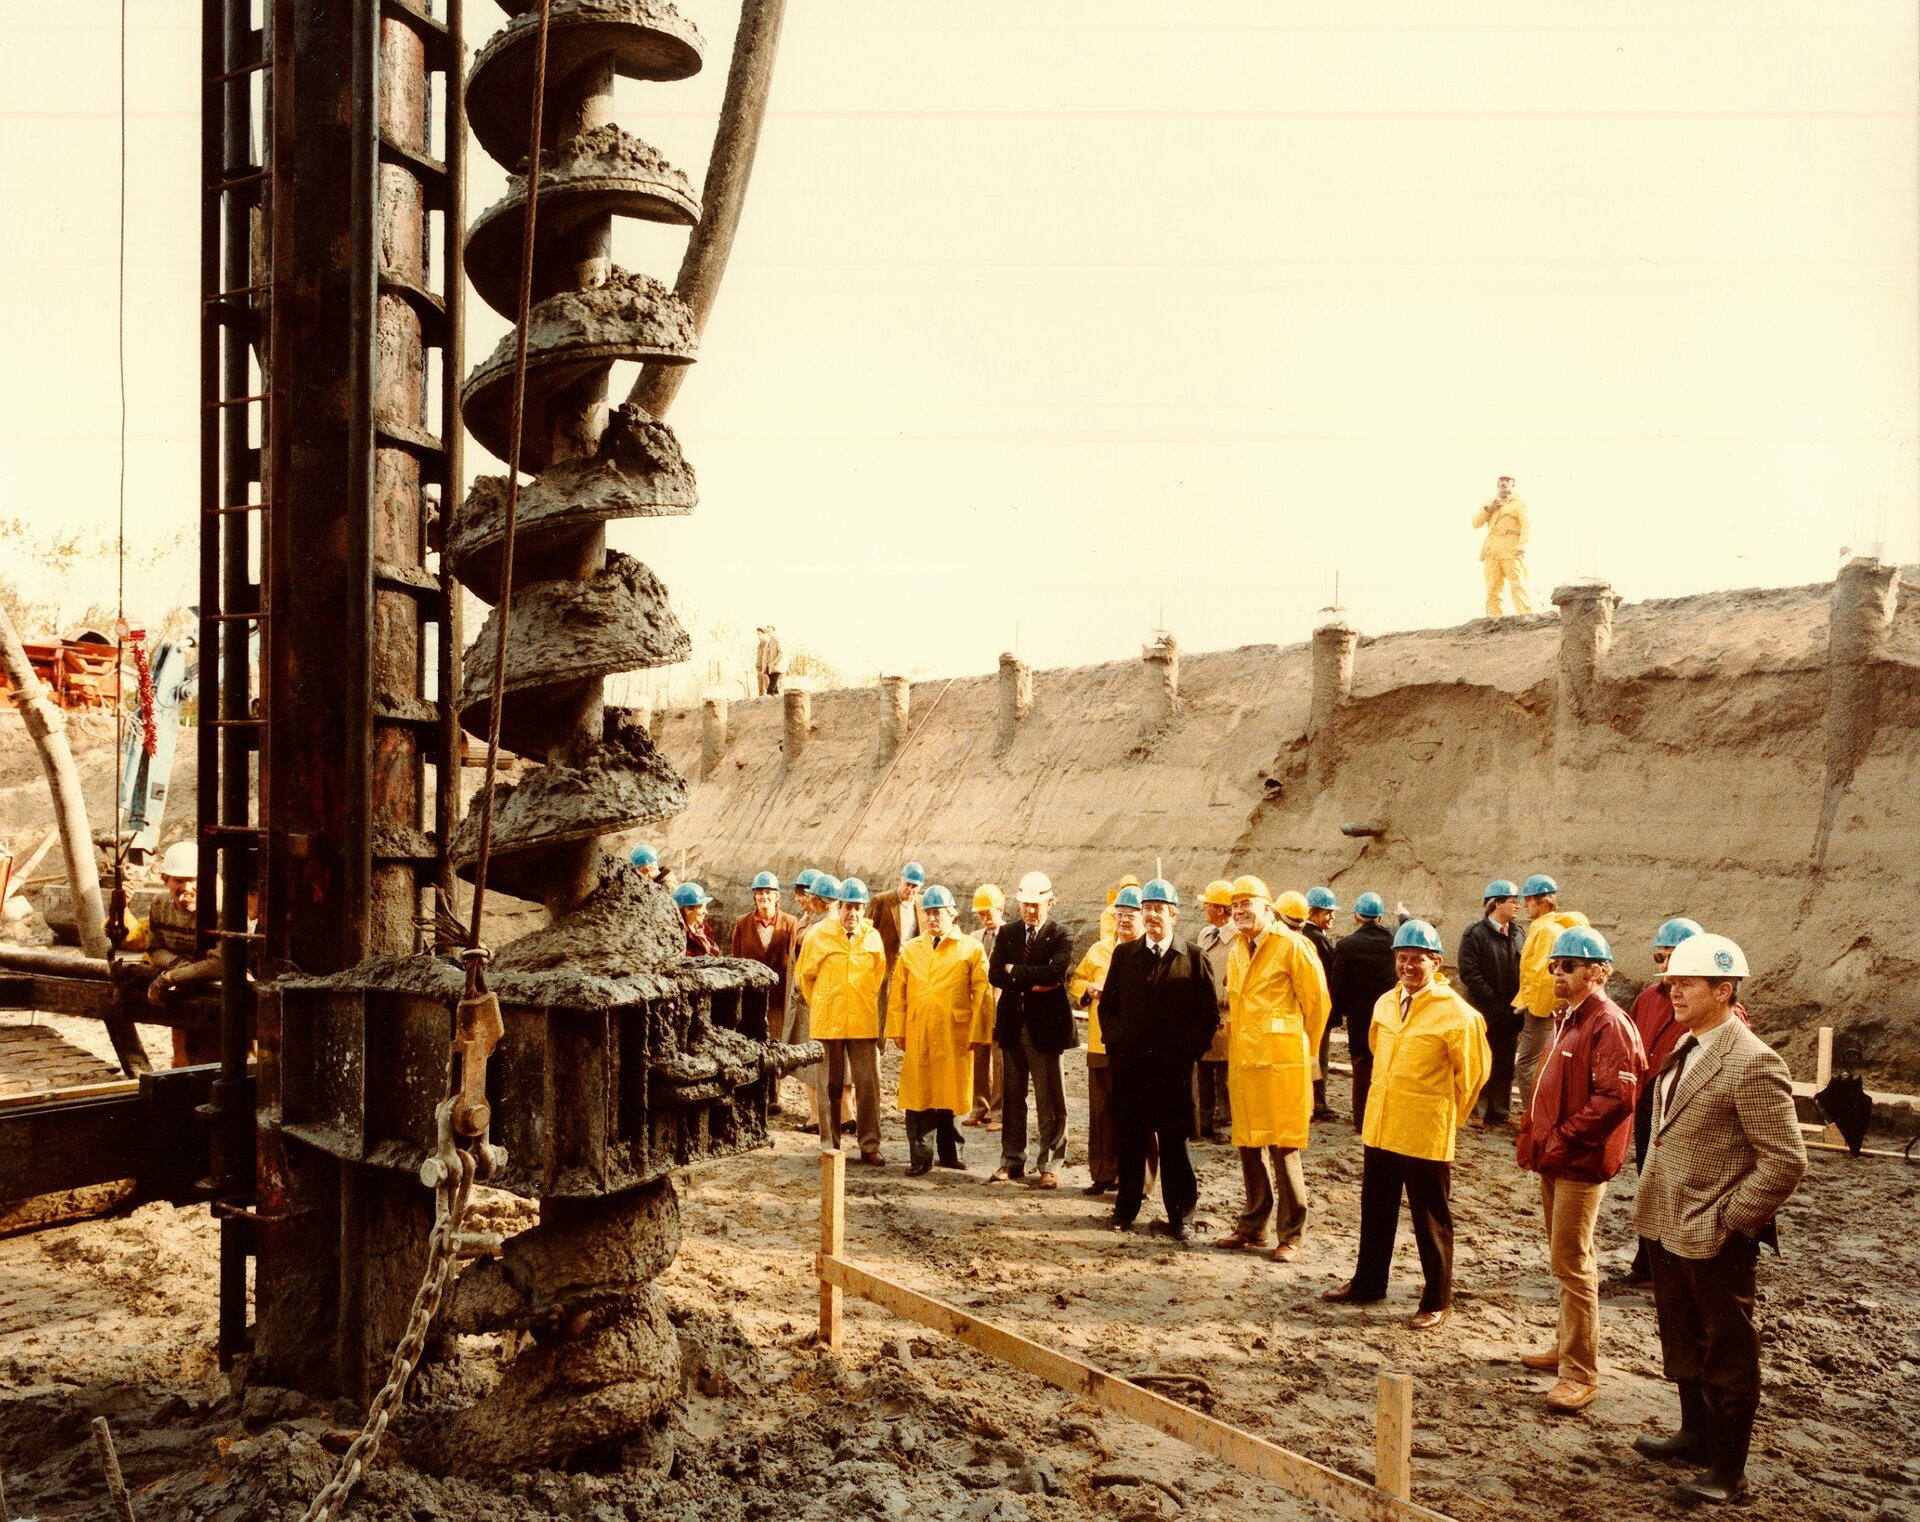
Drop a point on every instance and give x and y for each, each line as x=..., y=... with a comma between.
x=1724, y=1157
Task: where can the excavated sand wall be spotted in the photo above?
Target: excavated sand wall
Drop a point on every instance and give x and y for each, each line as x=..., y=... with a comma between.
x=1747, y=758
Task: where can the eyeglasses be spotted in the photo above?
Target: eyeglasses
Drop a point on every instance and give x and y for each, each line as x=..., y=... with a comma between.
x=1565, y=965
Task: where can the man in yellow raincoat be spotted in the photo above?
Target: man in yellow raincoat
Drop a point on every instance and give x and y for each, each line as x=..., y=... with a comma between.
x=1430, y=1058
x=842, y=970
x=1277, y=1006
x=1083, y=989
x=1540, y=895
x=939, y=1011
x=1503, y=556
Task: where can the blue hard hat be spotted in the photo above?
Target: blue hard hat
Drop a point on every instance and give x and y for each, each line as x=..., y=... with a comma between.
x=936, y=897
x=1159, y=891
x=1417, y=935
x=913, y=872
x=1127, y=898
x=1674, y=932
x=853, y=891
x=644, y=856
x=766, y=880
x=690, y=896
x=804, y=882
x=1369, y=906
x=1500, y=887
x=1322, y=898
x=1538, y=884
x=1580, y=942
x=825, y=887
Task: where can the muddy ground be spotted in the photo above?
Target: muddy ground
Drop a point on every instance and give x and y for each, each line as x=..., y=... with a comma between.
x=117, y=1318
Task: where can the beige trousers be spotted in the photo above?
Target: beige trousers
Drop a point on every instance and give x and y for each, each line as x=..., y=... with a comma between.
x=1509, y=571
x=1569, y=1210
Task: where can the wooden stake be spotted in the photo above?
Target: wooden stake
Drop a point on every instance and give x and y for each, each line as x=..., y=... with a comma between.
x=1393, y=1435
x=1339, y=1494
x=1822, y=1076
x=833, y=1240
x=110, y=1462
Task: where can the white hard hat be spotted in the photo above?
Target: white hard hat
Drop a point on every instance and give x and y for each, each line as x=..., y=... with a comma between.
x=1707, y=956
x=182, y=860
x=1034, y=887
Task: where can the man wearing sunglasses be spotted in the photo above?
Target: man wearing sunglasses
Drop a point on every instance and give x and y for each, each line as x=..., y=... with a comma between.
x=1574, y=1135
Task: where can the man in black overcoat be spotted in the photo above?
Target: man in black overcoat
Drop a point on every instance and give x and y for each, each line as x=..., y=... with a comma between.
x=1157, y=1016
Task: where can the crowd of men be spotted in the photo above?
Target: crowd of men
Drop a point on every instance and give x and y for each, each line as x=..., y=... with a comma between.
x=1226, y=1031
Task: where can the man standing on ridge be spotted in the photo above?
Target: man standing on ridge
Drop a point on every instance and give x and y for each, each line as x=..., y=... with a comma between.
x=1490, y=978
x=1503, y=555
x=1535, y=1000
x=1032, y=1027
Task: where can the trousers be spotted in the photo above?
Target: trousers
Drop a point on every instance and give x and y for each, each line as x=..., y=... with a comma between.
x=1509, y=571
x=1503, y=1041
x=989, y=1079
x=1142, y=1145
x=1428, y=1187
x=1569, y=1208
x=1025, y=1065
x=1103, y=1144
x=858, y=1059
x=1531, y=1047
x=927, y=1129
x=1281, y=1198
x=1213, y=1112
x=1707, y=1331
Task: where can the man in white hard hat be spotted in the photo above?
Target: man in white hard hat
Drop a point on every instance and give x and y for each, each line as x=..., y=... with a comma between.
x=173, y=948
x=1032, y=1027
x=1725, y=1155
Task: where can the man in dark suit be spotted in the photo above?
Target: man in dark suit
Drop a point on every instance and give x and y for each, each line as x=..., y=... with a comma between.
x=1033, y=1026
x=1726, y=1155
x=896, y=915
x=1490, y=978
x=1362, y=970
x=1157, y=1015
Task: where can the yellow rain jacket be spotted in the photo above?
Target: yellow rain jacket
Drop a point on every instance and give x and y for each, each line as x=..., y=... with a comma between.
x=1506, y=524
x=1536, y=983
x=1092, y=971
x=1277, y=1007
x=1428, y=1069
x=841, y=979
x=941, y=1004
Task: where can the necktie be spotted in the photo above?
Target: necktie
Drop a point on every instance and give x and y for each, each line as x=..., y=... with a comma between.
x=1030, y=935
x=1678, y=1062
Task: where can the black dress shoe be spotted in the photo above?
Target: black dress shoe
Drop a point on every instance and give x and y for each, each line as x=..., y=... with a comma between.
x=1176, y=1228
x=914, y=1170
x=1114, y=1223
x=1096, y=1187
x=956, y=1165
x=1711, y=1487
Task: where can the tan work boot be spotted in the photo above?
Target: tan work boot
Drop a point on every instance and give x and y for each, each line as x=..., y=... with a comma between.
x=1571, y=1395
x=1546, y=1358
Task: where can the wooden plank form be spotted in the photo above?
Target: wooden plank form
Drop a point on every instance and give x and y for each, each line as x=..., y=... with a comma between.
x=1338, y=1494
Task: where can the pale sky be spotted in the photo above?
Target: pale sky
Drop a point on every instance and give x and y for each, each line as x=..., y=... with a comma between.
x=1078, y=318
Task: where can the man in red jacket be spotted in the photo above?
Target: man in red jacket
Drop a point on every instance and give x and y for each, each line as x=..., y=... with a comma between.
x=1574, y=1135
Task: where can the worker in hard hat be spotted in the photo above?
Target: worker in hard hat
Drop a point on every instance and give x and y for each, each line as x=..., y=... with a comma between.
x=1212, y=1108
x=647, y=859
x=1032, y=1027
x=1430, y=1059
x=811, y=889
x=989, y=1071
x=1540, y=895
x=1106, y=914
x=1490, y=978
x=1083, y=989
x=1362, y=971
x=896, y=915
x=1574, y=1135
x=840, y=975
x=1503, y=554
x=692, y=900
x=1725, y=1155
x=1660, y=1032
x=1161, y=1012
x=939, y=1012
x=173, y=949
x=766, y=936
x=1277, y=1005
x=1322, y=905
x=1292, y=908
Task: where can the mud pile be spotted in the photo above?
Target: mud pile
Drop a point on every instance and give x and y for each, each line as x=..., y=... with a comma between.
x=1748, y=758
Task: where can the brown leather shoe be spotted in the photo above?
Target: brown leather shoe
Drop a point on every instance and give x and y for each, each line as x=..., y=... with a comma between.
x=1238, y=1241
x=1571, y=1395
x=1047, y=1181
x=1286, y=1252
x=1426, y=1321
x=1344, y=1295
x=873, y=1160
x=1547, y=1360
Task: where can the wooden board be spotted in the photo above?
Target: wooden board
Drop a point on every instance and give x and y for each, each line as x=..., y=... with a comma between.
x=1336, y=1493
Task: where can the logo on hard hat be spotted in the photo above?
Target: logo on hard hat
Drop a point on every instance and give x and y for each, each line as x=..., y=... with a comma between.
x=1723, y=960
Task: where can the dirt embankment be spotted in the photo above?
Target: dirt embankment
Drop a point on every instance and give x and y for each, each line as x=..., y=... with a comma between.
x=1709, y=759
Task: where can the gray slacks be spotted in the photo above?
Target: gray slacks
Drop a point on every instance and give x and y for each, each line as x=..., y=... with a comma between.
x=1042, y=1069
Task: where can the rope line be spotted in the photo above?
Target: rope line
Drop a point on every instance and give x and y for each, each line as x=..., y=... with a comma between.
x=515, y=429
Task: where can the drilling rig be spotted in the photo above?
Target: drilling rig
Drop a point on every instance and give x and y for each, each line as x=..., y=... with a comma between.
x=336, y=701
